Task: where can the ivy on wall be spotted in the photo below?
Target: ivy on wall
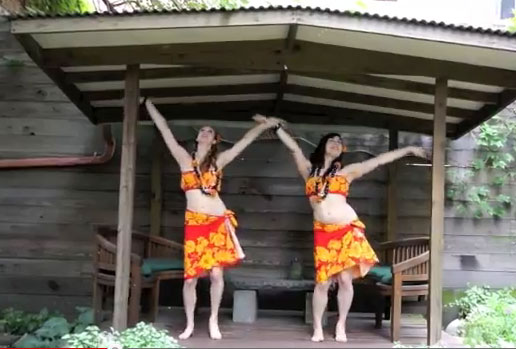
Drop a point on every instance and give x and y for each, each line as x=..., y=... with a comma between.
x=494, y=161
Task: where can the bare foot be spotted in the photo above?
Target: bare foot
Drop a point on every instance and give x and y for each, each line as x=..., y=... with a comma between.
x=318, y=335
x=214, y=329
x=187, y=332
x=340, y=333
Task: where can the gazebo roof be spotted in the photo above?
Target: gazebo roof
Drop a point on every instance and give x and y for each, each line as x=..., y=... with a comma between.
x=305, y=65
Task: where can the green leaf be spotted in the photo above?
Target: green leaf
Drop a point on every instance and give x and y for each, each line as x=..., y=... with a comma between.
x=85, y=316
x=478, y=164
x=499, y=212
x=504, y=199
x=54, y=328
x=30, y=341
x=478, y=214
x=500, y=180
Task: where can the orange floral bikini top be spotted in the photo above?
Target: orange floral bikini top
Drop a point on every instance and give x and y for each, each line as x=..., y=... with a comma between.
x=208, y=182
x=317, y=186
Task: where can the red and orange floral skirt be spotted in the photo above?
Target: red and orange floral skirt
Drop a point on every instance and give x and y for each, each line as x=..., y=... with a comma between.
x=208, y=243
x=341, y=247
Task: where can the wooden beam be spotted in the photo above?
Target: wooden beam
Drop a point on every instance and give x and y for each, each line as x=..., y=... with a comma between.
x=316, y=57
x=505, y=98
x=347, y=116
x=157, y=73
x=156, y=188
x=211, y=110
x=292, y=111
x=188, y=91
x=57, y=75
x=374, y=100
x=267, y=55
x=392, y=192
x=281, y=90
x=247, y=55
x=126, y=200
x=289, y=44
x=404, y=85
x=356, y=79
x=435, y=304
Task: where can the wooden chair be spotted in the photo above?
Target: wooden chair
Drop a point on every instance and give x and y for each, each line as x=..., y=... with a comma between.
x=143, y=247
x=409, y=263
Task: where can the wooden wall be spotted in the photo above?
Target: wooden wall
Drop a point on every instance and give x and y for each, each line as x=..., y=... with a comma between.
x=46, y=214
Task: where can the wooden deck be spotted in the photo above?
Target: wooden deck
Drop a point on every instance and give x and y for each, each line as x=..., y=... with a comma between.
x=287, y=330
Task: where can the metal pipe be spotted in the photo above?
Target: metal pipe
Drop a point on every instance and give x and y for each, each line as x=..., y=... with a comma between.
x=107, y=155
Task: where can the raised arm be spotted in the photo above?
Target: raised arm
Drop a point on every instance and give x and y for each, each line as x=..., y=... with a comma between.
x=302, y=163
x=229, y=155
x=179, y=153
x=356, y=170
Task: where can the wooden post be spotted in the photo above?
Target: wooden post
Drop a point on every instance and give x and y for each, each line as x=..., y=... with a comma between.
x=126, y=197
x=156, y=191
x=437, y=216
x=392, y=192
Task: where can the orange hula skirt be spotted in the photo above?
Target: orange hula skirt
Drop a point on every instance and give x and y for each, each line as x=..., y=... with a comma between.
x=208, y=243
x=341, y=247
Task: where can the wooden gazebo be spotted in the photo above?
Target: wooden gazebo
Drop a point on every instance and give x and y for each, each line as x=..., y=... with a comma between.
x=308, y=66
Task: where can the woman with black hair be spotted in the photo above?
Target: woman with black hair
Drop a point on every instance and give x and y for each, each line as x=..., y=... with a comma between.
x=341, y=250
x=210, y=243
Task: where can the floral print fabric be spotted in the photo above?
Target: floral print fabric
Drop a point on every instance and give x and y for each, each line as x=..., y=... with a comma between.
x=337, y=185
x=209, y=179
x=208, y=243
x=340, y=247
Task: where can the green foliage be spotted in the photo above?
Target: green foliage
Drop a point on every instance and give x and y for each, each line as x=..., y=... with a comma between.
x=17, y=322
x=42, y=330
x=493, y=322
x=512, y=23
x=141, y=336
x=472, y=298
x=59, y=6
x=180, y=4
x=496, y=144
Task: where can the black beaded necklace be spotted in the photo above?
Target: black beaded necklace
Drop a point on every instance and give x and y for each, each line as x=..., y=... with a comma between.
x=324, y=179
x=206, y=189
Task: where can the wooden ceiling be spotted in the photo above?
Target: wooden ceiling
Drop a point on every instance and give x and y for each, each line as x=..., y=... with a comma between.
x=305, y=65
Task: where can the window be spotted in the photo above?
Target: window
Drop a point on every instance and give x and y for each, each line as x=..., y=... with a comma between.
x=506, y=8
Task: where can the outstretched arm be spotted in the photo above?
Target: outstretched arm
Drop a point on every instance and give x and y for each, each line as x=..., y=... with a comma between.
x=302, y=163
x=354, y=171
x=178, y=152
x=229, y=155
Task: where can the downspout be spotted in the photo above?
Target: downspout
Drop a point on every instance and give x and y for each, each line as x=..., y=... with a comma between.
x=107, y=155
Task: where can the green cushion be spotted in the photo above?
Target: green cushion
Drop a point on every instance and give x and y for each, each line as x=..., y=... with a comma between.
x=152, y=265
x=381, y=273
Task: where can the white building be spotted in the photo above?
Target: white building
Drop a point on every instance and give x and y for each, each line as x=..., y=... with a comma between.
x=484, y=13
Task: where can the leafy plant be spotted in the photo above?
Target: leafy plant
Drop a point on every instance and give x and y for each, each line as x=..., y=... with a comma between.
x=47, y=336
x=44, y=330
x=139, y=5
x=59, y=6
x=17, y=322
x=496, y=141
x=473, y=297
x=493, y=321
x=512, y=23
x=141, y=336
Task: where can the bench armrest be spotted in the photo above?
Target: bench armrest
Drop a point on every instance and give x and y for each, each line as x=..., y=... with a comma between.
x=410, y=263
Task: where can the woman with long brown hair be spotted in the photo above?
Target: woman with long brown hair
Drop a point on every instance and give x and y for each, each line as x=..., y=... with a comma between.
x=341, y=250
x=210, y=242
